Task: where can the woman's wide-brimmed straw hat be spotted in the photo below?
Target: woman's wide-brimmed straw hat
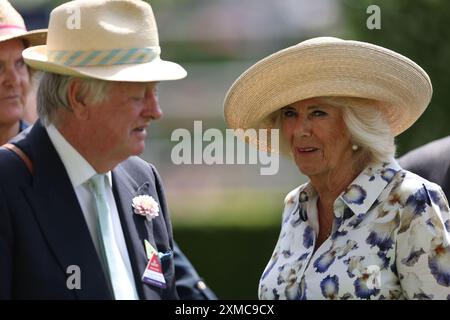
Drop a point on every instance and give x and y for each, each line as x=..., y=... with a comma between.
x=329, y=66
x=114, y=40
x=12, y=26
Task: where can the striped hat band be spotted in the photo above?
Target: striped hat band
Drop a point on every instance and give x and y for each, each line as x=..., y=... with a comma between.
x=109, y=57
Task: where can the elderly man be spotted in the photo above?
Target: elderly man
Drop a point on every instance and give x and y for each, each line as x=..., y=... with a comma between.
x=431, y=161
x=81, y=217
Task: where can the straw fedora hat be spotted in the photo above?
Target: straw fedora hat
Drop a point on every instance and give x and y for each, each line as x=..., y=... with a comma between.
x=327, y=66
x=114, y=40
x=12, y=26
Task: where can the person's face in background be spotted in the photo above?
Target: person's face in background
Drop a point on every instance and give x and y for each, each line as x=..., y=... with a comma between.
x=14, y=81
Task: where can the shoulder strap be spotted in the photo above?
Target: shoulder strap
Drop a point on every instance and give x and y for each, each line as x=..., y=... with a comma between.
x=21, y=155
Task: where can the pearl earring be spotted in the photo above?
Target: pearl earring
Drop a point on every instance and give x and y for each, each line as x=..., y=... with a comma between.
x=355, y=147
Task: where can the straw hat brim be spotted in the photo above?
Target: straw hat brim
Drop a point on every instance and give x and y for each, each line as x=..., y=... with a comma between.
x=34, y=38
x=329, y=68
x=155, y=70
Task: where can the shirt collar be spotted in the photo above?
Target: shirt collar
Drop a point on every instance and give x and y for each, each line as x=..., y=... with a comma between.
x=78, y=168
x=368, y=185
x=364, y=190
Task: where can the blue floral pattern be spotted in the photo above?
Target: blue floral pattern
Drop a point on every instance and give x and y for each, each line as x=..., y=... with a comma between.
x=330, y=287
x=390, y=240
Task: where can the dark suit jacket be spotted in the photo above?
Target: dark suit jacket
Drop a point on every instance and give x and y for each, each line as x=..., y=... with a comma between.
x=43, y=231
x=432, y=162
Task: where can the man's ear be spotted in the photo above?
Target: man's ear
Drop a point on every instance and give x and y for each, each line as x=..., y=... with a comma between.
x=77, y=101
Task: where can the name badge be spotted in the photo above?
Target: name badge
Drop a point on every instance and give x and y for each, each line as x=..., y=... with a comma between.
x=153, y=272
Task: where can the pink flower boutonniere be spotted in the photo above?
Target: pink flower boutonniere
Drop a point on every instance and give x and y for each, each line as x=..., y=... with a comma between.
x=146, y=206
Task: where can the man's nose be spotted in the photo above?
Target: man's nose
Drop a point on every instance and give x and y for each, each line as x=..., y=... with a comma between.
x=152, y=109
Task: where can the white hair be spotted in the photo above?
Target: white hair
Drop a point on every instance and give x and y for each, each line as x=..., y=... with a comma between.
x=367, y=126
x=52, y=94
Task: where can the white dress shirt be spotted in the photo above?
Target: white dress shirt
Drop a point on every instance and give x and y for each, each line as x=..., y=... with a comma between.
x=79, y=172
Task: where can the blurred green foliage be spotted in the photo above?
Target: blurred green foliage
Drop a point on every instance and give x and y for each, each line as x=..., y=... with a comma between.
x=419, y=30
x=231, y=259
x=231, y=244
x=241, y=208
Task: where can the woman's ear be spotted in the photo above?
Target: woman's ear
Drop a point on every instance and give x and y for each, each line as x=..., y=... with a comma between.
x=76, y=100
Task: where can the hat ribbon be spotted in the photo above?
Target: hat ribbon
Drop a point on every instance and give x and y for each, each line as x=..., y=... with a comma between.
x=109, y=57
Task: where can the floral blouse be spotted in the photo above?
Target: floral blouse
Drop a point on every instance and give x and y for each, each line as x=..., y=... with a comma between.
x=390, y=240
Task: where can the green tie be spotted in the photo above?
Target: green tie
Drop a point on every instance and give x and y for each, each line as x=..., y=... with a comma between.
x=109, y=250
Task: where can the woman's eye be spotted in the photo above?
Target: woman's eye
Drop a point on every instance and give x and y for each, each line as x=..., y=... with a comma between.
x=288, y=113
x=318, y=113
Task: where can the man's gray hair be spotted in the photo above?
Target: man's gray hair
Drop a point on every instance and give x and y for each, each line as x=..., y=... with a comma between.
x=366, y=123
x=52, y=94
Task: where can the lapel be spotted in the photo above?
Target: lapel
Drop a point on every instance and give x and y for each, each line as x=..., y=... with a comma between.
x=59, y=214
x=136, y=228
